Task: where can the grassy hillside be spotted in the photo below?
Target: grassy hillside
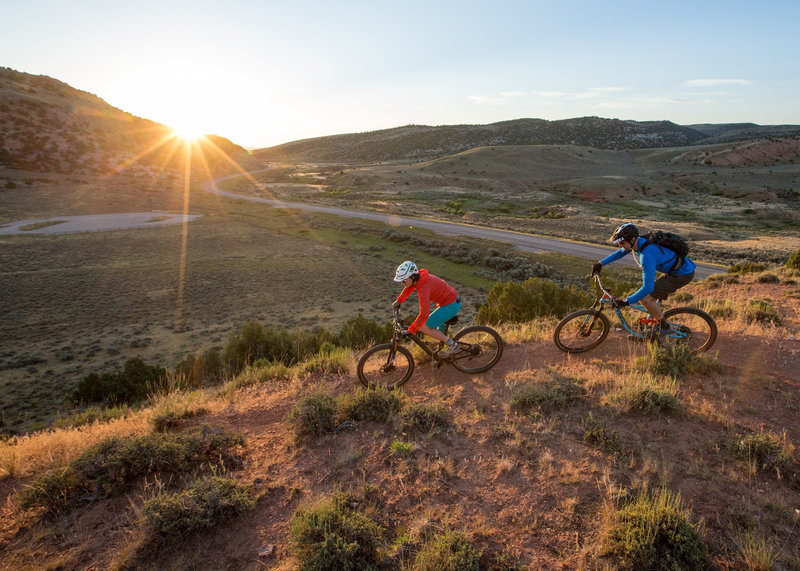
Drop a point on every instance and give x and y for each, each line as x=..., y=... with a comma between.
x=47, y=126
x=546, y=461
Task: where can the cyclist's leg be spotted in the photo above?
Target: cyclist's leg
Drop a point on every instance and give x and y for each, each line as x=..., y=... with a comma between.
x=435, y=322
x=662, y=288
x=441, y=314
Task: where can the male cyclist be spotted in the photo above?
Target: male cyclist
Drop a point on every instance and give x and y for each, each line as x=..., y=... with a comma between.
x=650, y=259
x=429, y=289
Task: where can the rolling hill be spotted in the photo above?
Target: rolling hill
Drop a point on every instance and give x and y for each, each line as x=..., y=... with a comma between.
x=49, y=126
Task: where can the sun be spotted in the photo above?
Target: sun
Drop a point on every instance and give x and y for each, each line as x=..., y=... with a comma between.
x=187, y=132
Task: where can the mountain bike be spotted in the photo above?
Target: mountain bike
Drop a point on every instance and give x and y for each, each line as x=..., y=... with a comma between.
x=391, y=364
x=586, y=329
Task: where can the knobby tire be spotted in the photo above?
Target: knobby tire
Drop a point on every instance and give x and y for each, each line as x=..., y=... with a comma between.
x=581, y=331
x=702, y=328
x=371, y=367
x=486, y=349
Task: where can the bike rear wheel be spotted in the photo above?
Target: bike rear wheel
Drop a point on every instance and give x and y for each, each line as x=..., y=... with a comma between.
x=386, y=365
x=694, y=328
x=482, y=348
x=581, y=331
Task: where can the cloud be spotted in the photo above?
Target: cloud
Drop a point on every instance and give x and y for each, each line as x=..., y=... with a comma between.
x=714, y=82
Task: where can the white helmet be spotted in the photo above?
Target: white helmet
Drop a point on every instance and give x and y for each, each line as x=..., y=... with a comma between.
x=405, y=271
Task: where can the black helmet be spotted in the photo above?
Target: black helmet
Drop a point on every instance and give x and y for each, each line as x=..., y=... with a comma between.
x=628, y=232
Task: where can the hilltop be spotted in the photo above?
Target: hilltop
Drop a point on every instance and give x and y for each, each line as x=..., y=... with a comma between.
x=48, y=126
x=533, y=461
x=419, y=142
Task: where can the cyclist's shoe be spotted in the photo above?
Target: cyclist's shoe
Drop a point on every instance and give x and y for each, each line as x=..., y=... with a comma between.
x=450, y=350
x=658, y=333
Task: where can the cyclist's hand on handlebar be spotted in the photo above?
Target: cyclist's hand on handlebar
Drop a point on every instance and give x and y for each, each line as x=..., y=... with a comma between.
x=596, y=268
x=396, y=305
x=618, y=302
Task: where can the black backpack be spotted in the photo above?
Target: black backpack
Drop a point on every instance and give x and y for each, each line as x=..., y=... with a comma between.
x=672, y=242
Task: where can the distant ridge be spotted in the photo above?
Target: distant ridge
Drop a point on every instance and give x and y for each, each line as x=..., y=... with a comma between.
x=419, y=142
x=49, y=126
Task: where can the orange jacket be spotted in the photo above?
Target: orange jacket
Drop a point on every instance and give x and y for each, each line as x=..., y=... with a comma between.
x=429, y=289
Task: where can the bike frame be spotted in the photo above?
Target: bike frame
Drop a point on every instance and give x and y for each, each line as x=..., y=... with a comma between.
x=398, y=327
x=607, y=298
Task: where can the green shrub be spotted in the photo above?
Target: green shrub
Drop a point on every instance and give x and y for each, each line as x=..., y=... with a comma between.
x=768, y=278
x=746, y=268
x=360, y=332
x=370, y=405
x=205, y=368
x=546, y=395
x=426, y=418
x=650, y=401
x=793, y=263
x=760, y=311
x=724, y=309
x=92, y=414
x=110, y=466
x=767, y=450
x=209, y=501
x=511, y=302
x=600, y=435
x=653, y=532
x=313, y=416
x=451, y=551
x=401, y=448
x=335, y=536
x=668, y=360
x=256, y=342
x=130, y=385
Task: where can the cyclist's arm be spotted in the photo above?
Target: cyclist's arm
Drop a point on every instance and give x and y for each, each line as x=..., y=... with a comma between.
x=404, y=294
x=614, y=256
x=424, y=296
x=648, y=278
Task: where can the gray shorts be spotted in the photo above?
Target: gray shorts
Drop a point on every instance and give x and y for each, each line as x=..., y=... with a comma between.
x=669, y=283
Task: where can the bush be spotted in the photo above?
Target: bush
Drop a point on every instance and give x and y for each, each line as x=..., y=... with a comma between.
x=360, y=332
x=761, y=311
x=330, y=359
x=600, y=435
x=510, y=302
x=426, y=418
x=452, y=551
x=335, y=536
x=768, y=278
x=651, y=401
x=793, y=263
x=205, y=368
x=546, y=395
x=370, y=405
x=767, y=450
x=313, y=416
x=653, y=531
x=112, y=465
x=255, y=342
x=746, y=268
x=206, y=503
x=130, y=385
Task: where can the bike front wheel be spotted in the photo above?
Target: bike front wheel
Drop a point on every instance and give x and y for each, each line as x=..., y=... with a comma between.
x=481, y=349
x=581, y=331
x=386, y=365
x=694, y=328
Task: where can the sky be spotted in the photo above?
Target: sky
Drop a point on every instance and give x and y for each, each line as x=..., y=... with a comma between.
x=266, y=72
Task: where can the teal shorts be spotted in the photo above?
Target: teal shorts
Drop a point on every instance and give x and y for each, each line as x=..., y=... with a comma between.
x=443, y=313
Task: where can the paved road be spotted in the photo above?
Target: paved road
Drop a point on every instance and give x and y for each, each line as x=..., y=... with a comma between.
x=525, y=242
x=95, y=223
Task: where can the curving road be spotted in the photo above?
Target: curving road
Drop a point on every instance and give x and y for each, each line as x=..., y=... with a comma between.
x=525, y=242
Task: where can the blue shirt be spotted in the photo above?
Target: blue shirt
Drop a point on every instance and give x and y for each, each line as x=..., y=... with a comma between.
x=652, y=258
